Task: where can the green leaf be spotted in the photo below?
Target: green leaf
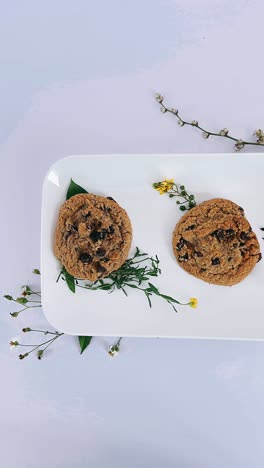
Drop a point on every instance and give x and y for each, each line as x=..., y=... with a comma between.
x=70, y=280
x=74, y=189
x=84, y=341
x=36, y=271
x=154, y=289
x=169, y=298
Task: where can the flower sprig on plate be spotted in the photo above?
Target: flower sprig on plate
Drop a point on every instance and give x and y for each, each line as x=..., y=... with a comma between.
x=135, y=273
x=224, y=132
x=184, y=200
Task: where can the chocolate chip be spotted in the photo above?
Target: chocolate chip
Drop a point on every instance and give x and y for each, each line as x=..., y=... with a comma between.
x=242, y=244
x=219, y=233
x=262, y=229
x=86, y=257
x=106, y=259
x=190, y=228
x=199, y=254
x=260, y=257
x=241, y=209
x=215, y=261
x=98, y=235
x=74, y=227
x=100, y=268
x=111, y=198
x=111, y=230
x=86, y=215
x=184, y=258
x=180, y=244
x=95, y=236
x=229, y=233
x=100, y=252
x=106, y=209
x=229, y=259
x=243, y=235
x=203, y=269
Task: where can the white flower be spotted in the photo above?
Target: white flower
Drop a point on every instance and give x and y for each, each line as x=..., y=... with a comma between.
x=163, y=110
x=223, y=132
x=174, y=111
x=239, y=145
x=14, y=342
x=194, y=123
x=158, y=97
x=205, y=135
x=180, y=123
x=259, y=133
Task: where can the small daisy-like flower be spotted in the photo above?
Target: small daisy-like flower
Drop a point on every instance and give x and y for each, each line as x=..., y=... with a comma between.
x=159, y=98
x=193, y=302
x=40, y=353
x=180, y=123
x=14, y=314
x=164, y=186
x=194, y=123
x=23, y=356
x=174, y=111
x=13, y=343
x=8, y=297
x=113, y=351
x=205, y=135
x=163, y=110
x=223, y=132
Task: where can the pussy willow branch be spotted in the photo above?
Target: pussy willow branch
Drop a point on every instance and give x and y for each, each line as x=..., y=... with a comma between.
x=240, y=143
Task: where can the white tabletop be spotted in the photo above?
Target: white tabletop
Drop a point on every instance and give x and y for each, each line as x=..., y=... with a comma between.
x=79, y=77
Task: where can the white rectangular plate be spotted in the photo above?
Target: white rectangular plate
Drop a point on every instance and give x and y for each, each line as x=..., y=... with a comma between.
x=224, y=312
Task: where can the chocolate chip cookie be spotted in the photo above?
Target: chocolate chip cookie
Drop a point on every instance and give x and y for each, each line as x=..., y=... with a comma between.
x=93, y=236
x=215, y=242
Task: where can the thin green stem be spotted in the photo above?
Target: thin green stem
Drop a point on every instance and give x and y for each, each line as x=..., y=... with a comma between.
x=50, y=341
x=45, y=332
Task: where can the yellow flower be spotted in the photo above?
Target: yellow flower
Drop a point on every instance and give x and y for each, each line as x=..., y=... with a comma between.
x=193, y=302
x=164, y=186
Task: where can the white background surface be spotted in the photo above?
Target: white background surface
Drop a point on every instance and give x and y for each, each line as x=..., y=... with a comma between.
x=78, y=77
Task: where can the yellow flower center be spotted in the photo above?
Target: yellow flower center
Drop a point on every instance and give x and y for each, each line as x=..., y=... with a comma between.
x=193, y=302
x=164, y=186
